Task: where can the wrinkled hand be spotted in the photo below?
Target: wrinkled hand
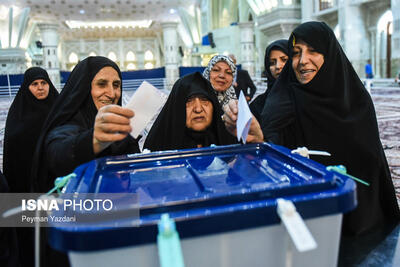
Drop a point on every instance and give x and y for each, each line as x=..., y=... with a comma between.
x=255, y=134
x=112, y=124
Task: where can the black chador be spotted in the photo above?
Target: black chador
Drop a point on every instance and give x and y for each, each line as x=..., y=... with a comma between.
x=169, y=131
x=334, y=112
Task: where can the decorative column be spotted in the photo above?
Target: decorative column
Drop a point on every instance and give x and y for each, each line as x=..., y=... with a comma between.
x=156, y=53
x=82, y=50
x=247, y=46
x=170, y=52
x=354, y=34
x=101, y=47
x=139, y=54
x=121, y=54
x=395, y=4
x=374, y=51
x=260, y=51
x=49, y=34
x=307, y=11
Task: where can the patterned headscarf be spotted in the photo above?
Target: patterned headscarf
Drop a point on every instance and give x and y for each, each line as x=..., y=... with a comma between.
x=223, y=97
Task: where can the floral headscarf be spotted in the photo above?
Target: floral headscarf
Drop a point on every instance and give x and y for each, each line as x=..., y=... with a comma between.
x=223, y=97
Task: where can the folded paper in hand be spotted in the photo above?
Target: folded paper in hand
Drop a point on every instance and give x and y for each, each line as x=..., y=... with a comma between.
x=145, y=102
x=244, y=118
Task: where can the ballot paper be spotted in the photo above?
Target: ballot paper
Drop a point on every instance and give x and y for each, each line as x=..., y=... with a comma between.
x=243, y=119
x=145, y=102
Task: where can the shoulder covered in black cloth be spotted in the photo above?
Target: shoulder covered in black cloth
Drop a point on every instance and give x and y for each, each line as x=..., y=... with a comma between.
x=68, y=132
x=169, y=131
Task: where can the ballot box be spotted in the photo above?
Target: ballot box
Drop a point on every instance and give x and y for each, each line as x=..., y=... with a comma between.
x=223, y=200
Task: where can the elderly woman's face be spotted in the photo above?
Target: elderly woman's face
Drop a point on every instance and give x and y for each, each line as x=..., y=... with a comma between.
x=221, y=76
x=306, y=62
x=106, y=87
x=39, y=89
x=199, y=113
x=277, y=60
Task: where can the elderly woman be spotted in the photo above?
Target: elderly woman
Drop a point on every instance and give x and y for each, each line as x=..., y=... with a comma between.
x=221, y=72
x=190, y=118
x=276, y=56
x=86, y=122
x=319, y=102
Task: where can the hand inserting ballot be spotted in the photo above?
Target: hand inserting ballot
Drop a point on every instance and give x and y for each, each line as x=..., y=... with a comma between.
x=230, y=116
x=112, y=124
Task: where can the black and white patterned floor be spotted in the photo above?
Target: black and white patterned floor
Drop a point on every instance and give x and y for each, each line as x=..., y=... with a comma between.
x=387, y=105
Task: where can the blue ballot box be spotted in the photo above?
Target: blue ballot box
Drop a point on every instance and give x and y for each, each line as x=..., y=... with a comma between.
x=223, y=200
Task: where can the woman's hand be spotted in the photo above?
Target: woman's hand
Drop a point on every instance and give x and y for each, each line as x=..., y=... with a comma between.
x=112, y=124
x=255, y=134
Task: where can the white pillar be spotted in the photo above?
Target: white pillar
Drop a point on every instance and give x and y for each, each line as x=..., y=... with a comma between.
x=260, y=50
x=307, y=9
x=354, y=34
x=139, y=54
x=82, y=50
x=49, y=34
x=101, y=47
x=374, y=52
x=64, y=58
x=156, y=53
x=170, y=52
x=395, y=4
x=121, y=54
x=247, y=46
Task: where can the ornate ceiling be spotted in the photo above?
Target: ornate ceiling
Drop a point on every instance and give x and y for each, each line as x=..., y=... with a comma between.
x=60, y=11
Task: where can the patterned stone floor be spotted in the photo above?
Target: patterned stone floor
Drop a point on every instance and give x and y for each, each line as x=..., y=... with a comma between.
x=387, y=105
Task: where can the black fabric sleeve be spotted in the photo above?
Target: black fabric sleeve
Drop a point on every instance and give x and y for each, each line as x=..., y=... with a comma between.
x=128, y=145
x=66, y=147
x=69, y=146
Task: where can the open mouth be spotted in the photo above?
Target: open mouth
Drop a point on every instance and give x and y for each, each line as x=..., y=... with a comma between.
x=305, y=72
x=106, y=101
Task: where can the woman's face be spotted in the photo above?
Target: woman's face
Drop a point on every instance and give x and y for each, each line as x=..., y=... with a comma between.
x=306, y=62
x=277, y=60
x=106, y=87
x=199, y=113
x=221, y=76
x=39, y=89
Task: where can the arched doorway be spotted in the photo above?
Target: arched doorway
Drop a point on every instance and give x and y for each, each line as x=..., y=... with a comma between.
x=384, y=47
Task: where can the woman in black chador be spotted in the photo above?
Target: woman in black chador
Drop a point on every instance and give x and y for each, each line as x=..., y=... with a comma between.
x=86, y=122
x=190, y=118
x=276, y=56
x=25, y=118
x=319, y=102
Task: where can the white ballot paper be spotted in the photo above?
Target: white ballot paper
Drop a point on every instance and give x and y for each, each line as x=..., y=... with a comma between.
x=244, y=118
x=145, y=102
